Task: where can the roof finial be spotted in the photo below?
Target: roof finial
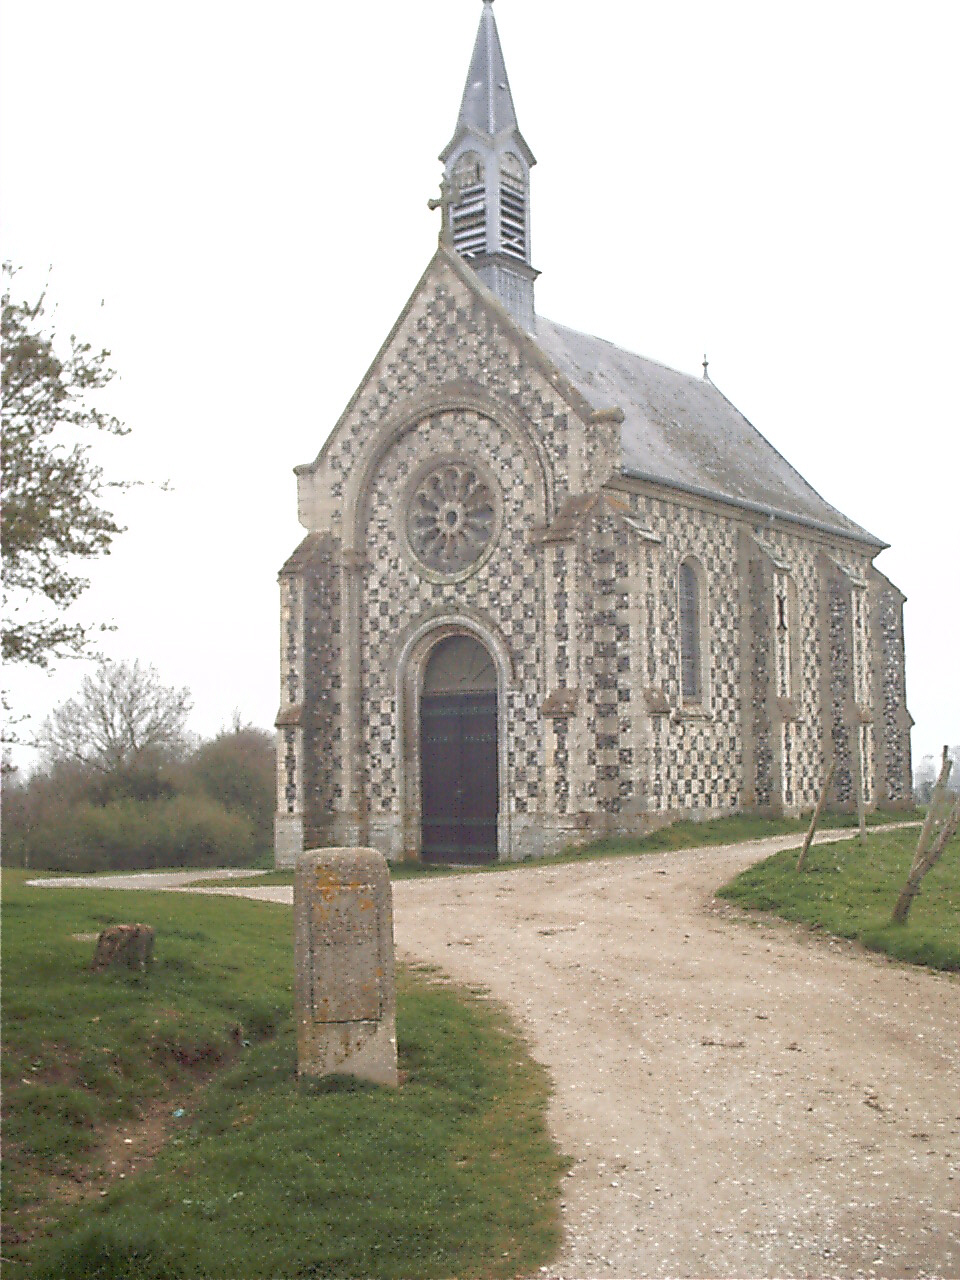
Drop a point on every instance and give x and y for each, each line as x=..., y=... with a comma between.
x=705, y=363
x=448, y=198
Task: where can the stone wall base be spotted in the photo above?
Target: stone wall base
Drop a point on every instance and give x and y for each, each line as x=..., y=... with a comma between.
x=528, y=835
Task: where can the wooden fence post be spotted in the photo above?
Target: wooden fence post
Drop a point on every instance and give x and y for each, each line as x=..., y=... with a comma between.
x=926, y=856
x=861, y=808
x=816, y=813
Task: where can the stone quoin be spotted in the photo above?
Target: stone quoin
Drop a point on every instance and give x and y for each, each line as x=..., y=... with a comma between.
x=551, y=589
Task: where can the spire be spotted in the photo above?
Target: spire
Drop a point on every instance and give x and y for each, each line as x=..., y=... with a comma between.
x=487, y=164
x=487, y=104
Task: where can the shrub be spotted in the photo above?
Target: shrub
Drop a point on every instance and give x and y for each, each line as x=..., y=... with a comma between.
x=238, y=768
x=213, y=807
x=176, y=831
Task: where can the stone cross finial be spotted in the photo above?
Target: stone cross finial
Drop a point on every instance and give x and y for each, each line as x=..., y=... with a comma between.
x=448, y=196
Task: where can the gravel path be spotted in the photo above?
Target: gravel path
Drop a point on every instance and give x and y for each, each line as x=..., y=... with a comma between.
x=740, y=1097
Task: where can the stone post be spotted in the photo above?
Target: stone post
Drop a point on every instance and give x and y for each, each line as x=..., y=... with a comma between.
x=344, y=994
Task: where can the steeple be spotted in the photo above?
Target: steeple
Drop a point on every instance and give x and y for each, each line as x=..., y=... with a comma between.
x=488, y=163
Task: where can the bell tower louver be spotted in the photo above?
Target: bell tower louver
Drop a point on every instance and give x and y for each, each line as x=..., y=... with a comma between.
x=487, y=164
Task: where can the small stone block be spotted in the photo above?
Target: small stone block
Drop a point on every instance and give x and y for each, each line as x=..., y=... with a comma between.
x=344, y=991
x=127, y=946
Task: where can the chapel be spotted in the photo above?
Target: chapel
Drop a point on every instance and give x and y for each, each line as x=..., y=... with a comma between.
x=550, y=589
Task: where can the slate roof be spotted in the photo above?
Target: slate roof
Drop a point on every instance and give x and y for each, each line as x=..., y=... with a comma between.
x=682, y=431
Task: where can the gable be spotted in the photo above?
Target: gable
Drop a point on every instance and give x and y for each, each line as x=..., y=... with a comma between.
x=567, y=387
x=455, y=347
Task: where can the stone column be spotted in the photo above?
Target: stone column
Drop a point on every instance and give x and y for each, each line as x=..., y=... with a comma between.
x=747, y=691
x=785, y=639
x=581, y=807
x=760, y=713
x=655, y=696
x=554, y=634
x=892, y=720
x=863, y=691
x=560, y=813
x=638, y=736
x=838, y=707
x=288, y=824
x=642, y=621
x=351, y=815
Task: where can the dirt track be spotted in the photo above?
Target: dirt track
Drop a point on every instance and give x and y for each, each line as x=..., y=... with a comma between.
x=740, y=1098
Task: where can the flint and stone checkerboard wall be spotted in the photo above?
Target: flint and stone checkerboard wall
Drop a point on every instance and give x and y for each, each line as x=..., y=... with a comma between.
x=506, y=591
x=449, y=339
x=579, y=597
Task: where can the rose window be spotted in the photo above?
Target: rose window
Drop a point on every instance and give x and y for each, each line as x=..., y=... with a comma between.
x=452, y=517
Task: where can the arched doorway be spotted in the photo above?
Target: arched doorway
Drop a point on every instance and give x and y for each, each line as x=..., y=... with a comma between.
x=458, y=753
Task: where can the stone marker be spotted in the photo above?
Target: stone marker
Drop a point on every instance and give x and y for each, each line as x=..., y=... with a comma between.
x=344, y=992
x=127, y=945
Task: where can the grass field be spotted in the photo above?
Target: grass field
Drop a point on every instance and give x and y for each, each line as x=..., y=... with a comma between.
x=254, y=1174
x=849, y=889
x=681, y=835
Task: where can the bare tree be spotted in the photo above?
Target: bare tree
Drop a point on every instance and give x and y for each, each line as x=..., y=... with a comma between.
x=122, y=714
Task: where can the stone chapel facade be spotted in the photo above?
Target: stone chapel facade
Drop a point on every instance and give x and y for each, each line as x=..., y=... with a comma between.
x=551, y=589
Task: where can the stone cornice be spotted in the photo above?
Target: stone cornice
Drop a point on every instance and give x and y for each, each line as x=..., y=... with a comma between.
x=744, y=513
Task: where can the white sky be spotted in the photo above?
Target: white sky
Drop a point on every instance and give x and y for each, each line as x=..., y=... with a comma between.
x=244, y=186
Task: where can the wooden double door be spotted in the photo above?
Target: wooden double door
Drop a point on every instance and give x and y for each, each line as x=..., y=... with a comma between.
x=458, y=763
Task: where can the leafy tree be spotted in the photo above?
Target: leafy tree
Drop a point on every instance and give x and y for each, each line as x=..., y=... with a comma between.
x=52, y=490
x=238, y=767
x=123, y=718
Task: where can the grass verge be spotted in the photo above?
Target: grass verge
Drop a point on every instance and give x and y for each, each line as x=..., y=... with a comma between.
x=255, y=1174
x=849, y=890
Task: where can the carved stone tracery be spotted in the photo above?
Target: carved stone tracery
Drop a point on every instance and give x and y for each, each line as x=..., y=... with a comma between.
x=452, y=516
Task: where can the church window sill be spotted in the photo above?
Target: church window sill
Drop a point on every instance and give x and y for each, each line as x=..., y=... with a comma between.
x=689, y=711
x=658, y=704
x=561, y=703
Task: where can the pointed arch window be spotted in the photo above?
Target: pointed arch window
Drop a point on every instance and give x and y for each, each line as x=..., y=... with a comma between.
x=786, y=634
x=691, y=637
x=470, y=211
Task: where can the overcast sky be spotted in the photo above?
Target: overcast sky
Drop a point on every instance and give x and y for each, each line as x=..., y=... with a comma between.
x=244, y=187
